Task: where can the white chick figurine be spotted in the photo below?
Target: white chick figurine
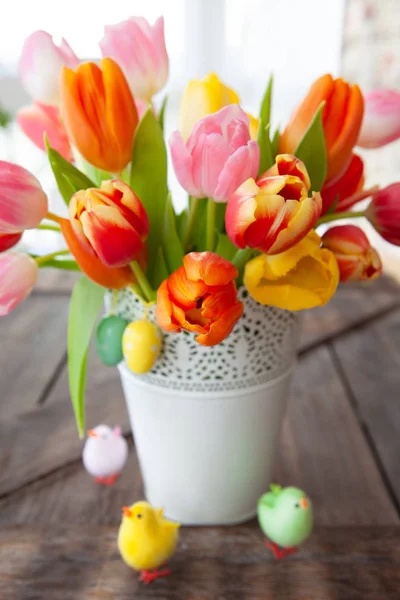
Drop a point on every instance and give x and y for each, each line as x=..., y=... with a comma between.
x=105, y=453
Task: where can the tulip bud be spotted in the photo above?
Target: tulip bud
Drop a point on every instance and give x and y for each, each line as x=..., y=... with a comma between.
x=356, y=258
x=140, y=51
x=384, y=213
x=18, y=274
x=40, y=119
x=110, y=223
x=99, y=113
x=218, y=156
x=40, y=66
x=23, y=203
x=381, y=123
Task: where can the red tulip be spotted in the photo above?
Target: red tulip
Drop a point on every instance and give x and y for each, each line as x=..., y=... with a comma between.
x=8, y=240
x=342, y=190
x=356, y=258
x=275, y=213
x=384, y=213
x=200, y=297
x=110, y=223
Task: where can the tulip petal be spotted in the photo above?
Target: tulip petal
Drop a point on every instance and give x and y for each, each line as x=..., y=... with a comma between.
x=183, y=164
x=185, y=291
x=18, y=275
x=381, y=123
x=210, y=268
x=222, y=327
x=38, y=120
x=163, y=310
x=209, y=153
x=240, y=166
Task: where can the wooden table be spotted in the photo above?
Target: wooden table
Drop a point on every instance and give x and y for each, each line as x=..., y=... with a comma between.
x=340, y=442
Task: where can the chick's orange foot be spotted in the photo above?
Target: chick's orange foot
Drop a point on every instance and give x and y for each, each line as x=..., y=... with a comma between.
x=280, y=553
x=149, y=576
x=107, y=480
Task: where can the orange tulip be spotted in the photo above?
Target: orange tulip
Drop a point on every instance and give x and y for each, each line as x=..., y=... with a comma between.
x=99, y=113
x=109, y=222
x=92, y=266
x=342, y=117
x=200, y=297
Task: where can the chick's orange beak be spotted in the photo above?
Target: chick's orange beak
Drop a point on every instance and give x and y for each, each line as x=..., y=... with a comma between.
x=304, y=503
x=92, y=433
x=126, y=511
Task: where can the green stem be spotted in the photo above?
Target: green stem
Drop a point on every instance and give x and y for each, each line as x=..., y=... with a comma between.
x=338, y=216
x=143, y=282
x=49, y=228
x=41, y=260
x=241, y=258
x=135, y=288
x=193, y=212
x=210, y=231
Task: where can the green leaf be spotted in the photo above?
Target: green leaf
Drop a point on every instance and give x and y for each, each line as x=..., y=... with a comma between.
x=266, y=155
x=225, y=248
x=220, y=211
x=275, y=143
x=171, y=243
x=161, y=114
x=66, y=265
x=160, y=271
x=181, y=222
x=86, y=300
x=149, y=177
x=312, y=151
x=95, y=174
x=69, y=179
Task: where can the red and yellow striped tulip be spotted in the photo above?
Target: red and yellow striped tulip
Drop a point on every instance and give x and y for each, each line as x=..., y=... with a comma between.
x=341, y=117
x=92, y=266
x=200, y=297
x=275, y=213
x=356, y=258
x=110, y=223
x=99, y=113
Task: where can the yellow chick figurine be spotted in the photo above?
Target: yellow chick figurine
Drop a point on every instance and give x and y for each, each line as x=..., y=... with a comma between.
x=146, y=540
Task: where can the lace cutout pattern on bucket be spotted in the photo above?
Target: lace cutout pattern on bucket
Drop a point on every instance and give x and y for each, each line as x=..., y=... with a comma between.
x=262, y=347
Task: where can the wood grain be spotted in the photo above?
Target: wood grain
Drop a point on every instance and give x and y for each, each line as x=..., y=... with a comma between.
x=39, y=441
x=352, y=305
x=323, y=452
x=33, y=343
x=370, y=361
x=82, y=563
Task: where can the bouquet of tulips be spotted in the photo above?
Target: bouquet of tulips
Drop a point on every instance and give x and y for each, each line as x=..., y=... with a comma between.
x=255, y=197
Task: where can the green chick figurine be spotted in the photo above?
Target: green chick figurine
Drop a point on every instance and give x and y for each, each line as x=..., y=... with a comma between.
x=285, y=516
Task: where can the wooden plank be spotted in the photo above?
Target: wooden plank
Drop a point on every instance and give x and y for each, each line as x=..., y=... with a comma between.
x=352, y=305
x=370, y=360
x=82, y=563
x=32, y=347
x=56, y=281
x=323, y=452
x=39, y=441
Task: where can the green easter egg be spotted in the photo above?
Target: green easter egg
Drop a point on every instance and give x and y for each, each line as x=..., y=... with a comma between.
x=109, y=339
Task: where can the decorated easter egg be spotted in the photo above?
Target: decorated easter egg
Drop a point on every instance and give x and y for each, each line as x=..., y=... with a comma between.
x=109, y=339
x=141, y=345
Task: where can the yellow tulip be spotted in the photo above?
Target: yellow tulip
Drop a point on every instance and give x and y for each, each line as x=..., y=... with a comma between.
x=304, y=276
x=203, y=97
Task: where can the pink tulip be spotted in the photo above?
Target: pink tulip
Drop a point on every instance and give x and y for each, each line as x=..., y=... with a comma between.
x=140, y=51
x=18, y=274
x=40, y=119
x=40, y=66
x=381, y=123
x=384, y=213
x=218, y=156
x=23, y=203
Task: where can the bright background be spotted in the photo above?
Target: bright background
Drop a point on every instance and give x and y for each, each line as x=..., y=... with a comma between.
x=244, y=41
